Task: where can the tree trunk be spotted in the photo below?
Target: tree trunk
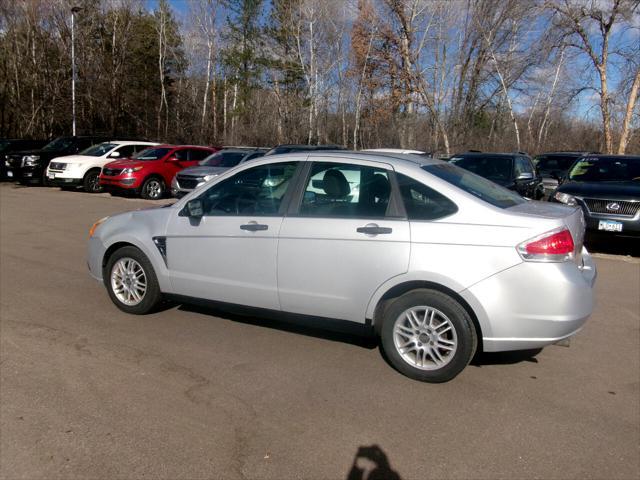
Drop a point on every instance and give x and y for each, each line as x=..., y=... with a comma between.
x=633, y=97
x=604, y=108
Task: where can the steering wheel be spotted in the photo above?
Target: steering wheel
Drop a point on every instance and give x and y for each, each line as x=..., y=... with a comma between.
x=244, y=200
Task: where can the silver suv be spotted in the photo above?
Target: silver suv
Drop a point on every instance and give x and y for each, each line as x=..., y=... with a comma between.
x=438, y=260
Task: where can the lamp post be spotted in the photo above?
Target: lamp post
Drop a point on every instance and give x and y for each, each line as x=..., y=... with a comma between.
x=74, y=10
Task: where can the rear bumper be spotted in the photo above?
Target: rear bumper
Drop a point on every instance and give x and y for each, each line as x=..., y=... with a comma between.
x=532, y=305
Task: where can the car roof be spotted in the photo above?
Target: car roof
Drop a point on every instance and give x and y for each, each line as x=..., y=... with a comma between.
x=130, y=142
x=168, y=145
x=606, y=155
x=406, y=159
x=489, y=154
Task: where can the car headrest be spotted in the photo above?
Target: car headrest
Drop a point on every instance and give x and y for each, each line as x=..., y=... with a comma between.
x=335, y=184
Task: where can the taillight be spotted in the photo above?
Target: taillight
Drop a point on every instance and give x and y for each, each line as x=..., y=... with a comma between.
x=553, y=246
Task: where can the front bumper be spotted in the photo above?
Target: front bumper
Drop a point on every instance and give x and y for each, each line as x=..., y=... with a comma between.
x=120, y=183
x=532, y=305
x=25, y=174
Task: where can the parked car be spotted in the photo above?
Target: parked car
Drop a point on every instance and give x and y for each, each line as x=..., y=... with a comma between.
x=607, y=188
x=11, y=145
x=191, y=178
x=150, y=172
x=510, y=170
x=553, y=166
x=398, y=150
x=29, y=166
x=291, y=148
x=83, y=169
x=397, y=257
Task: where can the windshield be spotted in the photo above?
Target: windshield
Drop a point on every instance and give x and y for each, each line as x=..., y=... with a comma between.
x=99, y=150
x=606, y=169
x=60, y=143
x=475, y=185
x=151, y=154
x=223, y=159
x=493, y=168
x=4, y=144
x=556, y=162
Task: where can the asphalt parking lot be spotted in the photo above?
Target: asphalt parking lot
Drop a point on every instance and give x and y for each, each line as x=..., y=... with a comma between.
x=90, y=392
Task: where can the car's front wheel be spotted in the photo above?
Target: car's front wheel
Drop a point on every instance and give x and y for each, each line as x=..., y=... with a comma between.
x=91, y=181
x=153, y=189
x=428, y=336
x=131, y=281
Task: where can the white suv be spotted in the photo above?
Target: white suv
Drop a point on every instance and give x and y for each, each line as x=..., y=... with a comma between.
x=84, y=168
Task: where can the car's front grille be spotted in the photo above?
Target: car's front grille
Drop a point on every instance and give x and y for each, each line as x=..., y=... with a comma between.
x=188, y=183
x=111, y=172
x=57, y=166
x=612, y=207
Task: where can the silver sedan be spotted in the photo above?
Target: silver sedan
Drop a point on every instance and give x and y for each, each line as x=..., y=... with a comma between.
x=440, y=262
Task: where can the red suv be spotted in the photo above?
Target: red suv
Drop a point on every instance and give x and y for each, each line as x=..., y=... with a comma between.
x=151, y=171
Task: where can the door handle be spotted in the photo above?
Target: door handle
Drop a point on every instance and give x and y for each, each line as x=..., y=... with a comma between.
x=254, y=227
x=373, y=229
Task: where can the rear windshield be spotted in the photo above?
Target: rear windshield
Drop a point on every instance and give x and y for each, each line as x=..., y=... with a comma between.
x=555, y=162
x=493, y=168
x=475, y=185
x=606, y=169
x=151, y=154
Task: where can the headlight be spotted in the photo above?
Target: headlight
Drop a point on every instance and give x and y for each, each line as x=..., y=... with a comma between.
x=30, y=159
x=565, y=198
x=210, y=176
x=131, y=169
x=93, y=228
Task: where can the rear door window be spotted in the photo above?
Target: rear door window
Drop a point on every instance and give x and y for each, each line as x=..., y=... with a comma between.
x=197, y=154
x=346, y=191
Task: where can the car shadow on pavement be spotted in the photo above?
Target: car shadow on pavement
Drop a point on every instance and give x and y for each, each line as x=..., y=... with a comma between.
x=612, y=245
x=371, y=463
x=481, y=359
x=328, y=329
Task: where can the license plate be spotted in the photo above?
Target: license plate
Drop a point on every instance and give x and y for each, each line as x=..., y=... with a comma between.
x=9, y=174
x=52, y=176
x=609, y=226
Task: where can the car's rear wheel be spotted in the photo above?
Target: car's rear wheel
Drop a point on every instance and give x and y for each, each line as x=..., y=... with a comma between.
x=428, y=336
x=153, y=188
x=131, y=281
x=91, y=181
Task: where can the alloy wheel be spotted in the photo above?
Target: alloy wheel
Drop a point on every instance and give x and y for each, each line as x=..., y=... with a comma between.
x=128, y=281
x=425, y=338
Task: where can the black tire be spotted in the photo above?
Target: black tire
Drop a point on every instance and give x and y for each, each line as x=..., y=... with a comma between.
x=152, y=296
x=91, y=181
x=458, y=318
x=153, y=188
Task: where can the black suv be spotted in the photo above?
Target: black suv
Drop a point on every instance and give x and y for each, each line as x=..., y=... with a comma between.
x=607, y=187
x=29, y=166
x=553, y=166
x=10, y=145
x=514, y=171
x=290, y=148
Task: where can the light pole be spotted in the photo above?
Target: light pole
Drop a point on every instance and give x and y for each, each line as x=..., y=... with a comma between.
x=74, y=10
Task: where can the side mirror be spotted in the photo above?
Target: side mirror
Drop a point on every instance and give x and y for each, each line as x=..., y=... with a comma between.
x=195, y=209
x=114, y=155
x=525, y=176
x=173, y=159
